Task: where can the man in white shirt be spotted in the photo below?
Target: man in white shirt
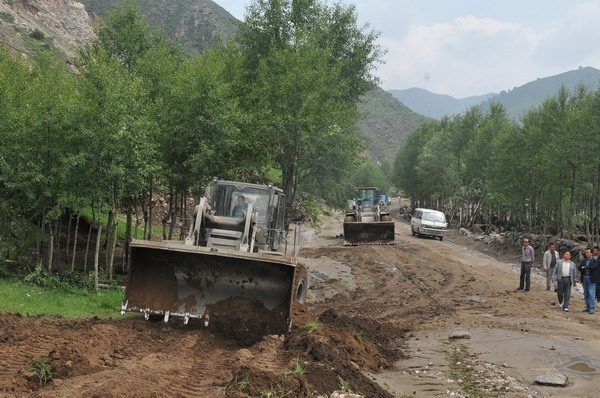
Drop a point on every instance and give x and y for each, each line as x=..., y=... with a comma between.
x=565, y=273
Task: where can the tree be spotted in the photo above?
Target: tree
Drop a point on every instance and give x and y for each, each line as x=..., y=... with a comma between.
x=304, y=66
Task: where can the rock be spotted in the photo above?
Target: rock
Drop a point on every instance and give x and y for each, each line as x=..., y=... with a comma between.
x=460, y=335
x=552, y=379
x=391, y=269
x=344, y=394
x=478, y=299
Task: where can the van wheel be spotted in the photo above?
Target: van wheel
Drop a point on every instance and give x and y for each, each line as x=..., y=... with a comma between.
x=441, y=238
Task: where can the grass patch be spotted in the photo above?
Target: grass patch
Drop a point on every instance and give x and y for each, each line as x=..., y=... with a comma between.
x=29, y=300
x=6, y=17
x=42, y=369
x=298, y=370
x=311, y=327
x=241, y=384
x=359, y=337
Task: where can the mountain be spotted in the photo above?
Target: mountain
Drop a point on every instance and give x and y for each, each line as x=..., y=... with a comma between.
x=436, y=105
x=196, y=24
x=521, y=99
x=32, y=26
x=385, y=123
x=516, y=101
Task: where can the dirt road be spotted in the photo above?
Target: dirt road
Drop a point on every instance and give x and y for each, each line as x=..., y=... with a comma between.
x=377, y=322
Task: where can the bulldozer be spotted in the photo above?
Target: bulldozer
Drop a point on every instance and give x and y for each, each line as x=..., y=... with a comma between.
x=367, y=223
x=232, y=271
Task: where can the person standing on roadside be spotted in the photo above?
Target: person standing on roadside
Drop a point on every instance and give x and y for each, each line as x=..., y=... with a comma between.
x=596, y=256
x=589, y=277
x=564, y=273
x=549, y=262
x=527, y=257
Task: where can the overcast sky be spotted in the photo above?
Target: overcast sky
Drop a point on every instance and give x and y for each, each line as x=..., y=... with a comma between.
x=473, y=47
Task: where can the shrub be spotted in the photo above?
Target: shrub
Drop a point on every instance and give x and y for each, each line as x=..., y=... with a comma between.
x=37, y=34
x=42, y=369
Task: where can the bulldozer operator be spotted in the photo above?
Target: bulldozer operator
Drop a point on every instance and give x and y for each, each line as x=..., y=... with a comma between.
x=239, y=211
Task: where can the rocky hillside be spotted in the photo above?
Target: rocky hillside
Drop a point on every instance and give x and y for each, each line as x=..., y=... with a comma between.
x=385, y=123
x=30, y=26
x=196, y=24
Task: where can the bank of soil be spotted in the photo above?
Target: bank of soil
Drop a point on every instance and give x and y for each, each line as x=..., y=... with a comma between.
x=376, y=322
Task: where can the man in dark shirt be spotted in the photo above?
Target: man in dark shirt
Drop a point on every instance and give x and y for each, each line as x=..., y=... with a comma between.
x=527, y=257
x=589, y=278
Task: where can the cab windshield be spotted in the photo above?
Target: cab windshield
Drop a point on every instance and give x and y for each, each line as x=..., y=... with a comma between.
x=232, y=202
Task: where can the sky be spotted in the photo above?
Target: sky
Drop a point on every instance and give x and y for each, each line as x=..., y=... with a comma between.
x=464, y=48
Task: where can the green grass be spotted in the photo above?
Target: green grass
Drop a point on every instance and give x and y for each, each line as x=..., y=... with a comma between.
x=7, y=17
x=28, y=299
x=311, y=327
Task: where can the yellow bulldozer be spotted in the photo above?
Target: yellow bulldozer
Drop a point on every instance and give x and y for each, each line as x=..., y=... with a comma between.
x=367, y=223
x=232, y=272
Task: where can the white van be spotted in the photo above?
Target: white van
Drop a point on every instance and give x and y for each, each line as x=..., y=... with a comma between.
x=427, y=222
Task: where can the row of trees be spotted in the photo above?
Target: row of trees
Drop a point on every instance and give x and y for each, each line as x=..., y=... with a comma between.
x=542, y=174
x=142, y=117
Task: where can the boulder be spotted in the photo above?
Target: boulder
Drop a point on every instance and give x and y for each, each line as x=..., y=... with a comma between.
x=553, y=380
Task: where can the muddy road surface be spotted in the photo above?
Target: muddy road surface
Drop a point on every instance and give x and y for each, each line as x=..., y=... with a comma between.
x=421, y=318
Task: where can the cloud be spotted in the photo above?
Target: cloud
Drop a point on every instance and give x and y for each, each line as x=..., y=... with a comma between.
x=574, y=42
x=469, y=56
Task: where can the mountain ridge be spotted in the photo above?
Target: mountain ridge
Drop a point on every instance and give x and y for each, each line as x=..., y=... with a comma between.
x=517, y=101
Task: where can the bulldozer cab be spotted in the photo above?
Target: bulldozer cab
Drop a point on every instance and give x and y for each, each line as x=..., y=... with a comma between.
x=367, y=198
x=233, y=199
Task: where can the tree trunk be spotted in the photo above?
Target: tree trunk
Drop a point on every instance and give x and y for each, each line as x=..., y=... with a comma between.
x=108, y=238
x=127, y=237
x=150, y=211
x=58, y=232
x=112, y=251
x=89, y=237
x=75, y=242
x=97, y=251
x=50, y=247
x=41, y=236
x=69, y=225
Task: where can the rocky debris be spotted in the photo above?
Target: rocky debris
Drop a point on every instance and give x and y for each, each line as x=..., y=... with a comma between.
x=553, y=380
x=344, y=394
x=465, y=232
x=539, y=242
x=461, y=334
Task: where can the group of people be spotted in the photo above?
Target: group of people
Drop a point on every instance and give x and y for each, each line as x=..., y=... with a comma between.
x=561, y=274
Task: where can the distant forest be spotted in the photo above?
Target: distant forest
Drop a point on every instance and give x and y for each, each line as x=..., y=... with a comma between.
x=541, y=176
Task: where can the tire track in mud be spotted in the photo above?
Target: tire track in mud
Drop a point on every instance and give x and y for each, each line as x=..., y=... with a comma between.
x=22, y=344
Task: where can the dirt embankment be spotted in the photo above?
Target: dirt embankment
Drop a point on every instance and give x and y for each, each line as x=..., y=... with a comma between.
x=376, y=322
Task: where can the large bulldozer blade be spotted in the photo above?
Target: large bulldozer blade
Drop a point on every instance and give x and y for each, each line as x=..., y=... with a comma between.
x=368, y=233
x=240, y=294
